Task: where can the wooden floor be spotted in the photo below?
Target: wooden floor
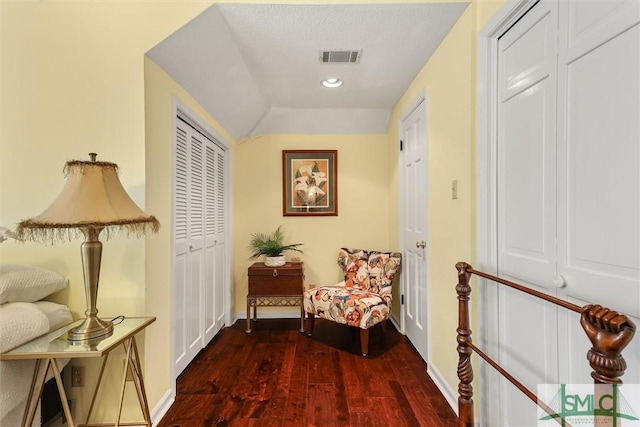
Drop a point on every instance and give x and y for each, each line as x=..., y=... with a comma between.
x=277, y=376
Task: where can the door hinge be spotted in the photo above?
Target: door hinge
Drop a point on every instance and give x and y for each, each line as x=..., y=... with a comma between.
x=400, y=145
x=402, y=299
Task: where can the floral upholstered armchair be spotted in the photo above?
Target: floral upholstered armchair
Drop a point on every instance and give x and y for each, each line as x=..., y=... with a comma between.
x=363, y=299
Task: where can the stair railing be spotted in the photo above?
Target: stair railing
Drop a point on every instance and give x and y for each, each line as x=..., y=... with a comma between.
x=608, y=331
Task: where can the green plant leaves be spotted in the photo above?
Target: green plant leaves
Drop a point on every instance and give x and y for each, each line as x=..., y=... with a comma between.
x=270, y=244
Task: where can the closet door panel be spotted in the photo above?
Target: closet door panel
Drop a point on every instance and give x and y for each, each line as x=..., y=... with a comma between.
x=196, y=261
x=585, y=25
x=526, y=208
x=526, y=148
x=210, y=241
x=181, y=278
x=180, y=193
x=221, y=225
x=599, y=145
x=220, y=263
x=193, y=314
x=528, y=350
x=200, y=199
x=221, y=196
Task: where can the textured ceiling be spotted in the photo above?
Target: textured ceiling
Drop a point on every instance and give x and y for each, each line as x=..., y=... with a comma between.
x=255, y=67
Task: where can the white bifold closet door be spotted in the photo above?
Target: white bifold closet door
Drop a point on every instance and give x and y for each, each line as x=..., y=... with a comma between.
x=568, y=187
x=199, y=242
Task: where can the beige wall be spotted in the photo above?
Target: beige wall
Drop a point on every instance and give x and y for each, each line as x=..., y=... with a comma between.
x=486, y=10
x=363, y=208
x=74, y=80
x=161, y=92
x=449, y=81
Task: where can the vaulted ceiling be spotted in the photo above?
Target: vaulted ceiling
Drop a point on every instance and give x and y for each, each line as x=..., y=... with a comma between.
x=256, y=68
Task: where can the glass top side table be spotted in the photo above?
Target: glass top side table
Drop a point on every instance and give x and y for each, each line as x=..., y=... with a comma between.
x=54, y=345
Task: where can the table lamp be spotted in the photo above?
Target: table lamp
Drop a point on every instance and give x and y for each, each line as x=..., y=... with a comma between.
x=92, y=199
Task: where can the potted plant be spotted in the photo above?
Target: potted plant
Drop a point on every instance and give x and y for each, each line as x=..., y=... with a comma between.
x=272, y=247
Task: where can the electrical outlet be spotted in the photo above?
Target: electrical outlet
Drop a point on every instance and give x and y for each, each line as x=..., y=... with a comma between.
x=77, y=376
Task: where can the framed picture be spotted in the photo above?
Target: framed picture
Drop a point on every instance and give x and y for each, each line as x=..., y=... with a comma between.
x=310, y=182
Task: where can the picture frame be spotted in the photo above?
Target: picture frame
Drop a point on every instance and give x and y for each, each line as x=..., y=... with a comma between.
x=309, y=182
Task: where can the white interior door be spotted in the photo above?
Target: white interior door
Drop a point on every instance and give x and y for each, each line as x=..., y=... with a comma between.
x=526, y=162
x=414, y=224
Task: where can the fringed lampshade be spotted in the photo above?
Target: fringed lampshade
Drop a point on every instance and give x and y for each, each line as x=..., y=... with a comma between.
x=92, y=200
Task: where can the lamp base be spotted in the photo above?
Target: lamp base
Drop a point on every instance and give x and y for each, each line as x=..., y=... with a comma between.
x=92, y=327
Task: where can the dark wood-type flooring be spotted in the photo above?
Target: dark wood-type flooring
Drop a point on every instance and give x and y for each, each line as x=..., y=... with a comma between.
x=277, y=376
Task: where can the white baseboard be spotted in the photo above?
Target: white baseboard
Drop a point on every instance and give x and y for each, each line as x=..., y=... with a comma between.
x=449, y=393
x=445, y=388
x=162, y=407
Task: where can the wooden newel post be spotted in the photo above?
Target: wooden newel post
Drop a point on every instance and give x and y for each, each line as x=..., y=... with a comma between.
x=609, y=333
x=465, y=371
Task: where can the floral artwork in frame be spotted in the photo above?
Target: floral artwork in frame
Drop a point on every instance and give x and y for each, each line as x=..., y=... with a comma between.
x=310, y=182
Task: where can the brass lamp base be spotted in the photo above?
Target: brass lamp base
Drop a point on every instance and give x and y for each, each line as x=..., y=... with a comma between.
x=92, y=327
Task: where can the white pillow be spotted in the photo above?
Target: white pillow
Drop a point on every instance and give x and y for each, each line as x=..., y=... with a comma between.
x=22, y=283
x=57, y=314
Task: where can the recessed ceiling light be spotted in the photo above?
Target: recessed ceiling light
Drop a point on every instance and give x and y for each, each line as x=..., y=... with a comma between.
x=332, y=82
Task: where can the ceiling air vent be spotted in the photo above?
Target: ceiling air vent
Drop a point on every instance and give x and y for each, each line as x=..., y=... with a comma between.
x=340, y=56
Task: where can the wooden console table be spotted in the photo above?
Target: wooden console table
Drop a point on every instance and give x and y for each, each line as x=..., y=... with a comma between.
x=275, y=286
x=53, y=346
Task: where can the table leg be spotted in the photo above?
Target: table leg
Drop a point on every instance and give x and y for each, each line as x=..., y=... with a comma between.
x=132, y=365
x=301, y=317
x=139, y=383
x=61, y=392
x=128, y=348
x=248, y=330
x=32, y=405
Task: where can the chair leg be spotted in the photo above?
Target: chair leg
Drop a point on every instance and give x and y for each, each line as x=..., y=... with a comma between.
x=364, y=341
x=383, y=325
x=311, y=320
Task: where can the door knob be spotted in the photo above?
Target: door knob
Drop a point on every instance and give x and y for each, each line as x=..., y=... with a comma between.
x=421, y=244
x=559, y=282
